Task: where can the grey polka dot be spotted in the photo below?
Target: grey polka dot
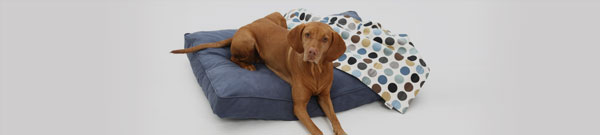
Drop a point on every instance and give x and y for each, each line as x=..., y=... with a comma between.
x=383, y=60
x=352, y=47
x=351, y=26
x=362, y=66
x=389, y=41
x=308, y=16
x=394, y=64
x=372, y=72
x=315, y=19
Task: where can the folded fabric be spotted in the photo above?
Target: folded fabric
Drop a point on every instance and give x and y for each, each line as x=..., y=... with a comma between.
x=237, y=93
x=386, y=62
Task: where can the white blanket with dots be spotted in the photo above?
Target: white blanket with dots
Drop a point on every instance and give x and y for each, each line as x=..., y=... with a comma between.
x=388, y=63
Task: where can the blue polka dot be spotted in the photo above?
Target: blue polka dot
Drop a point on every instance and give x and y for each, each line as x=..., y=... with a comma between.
x=396, y=104
x=296, y=20
x=402, y=50
x=362, y=51
x=358, y=57
x=382, y=79
x=399, y=79
x=402, y=35
x=358, y=28
x=376, y=46
x=366, y=80
x=345, y=34
x=402, y=41
x=420, y=69
x=413, y=51
x=377, y=32
x=291, y=25
x=388, y=72
x=296, y=13
x=342, y=58
x=405, y=70
x=356, y=73
x=387, y=51
x=336, y=29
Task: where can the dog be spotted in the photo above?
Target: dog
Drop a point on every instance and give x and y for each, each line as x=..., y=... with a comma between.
x=302, y=57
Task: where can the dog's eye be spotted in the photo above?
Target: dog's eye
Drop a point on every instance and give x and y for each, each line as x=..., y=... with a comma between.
x=324, y=39
x=307, y=35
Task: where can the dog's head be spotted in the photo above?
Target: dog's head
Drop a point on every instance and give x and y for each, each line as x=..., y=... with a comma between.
x=317, y=42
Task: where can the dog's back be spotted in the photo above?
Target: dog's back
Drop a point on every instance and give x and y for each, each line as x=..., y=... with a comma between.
x=272, y=46
x=273, y=23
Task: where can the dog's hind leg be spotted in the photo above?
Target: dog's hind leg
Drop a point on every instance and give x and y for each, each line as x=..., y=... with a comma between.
x=243, y=49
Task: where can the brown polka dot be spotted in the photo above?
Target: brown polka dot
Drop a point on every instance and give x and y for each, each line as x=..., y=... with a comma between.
x=292, y=16
x=417, y=92
x=376, y=88
x=410, y=63
x=398, y=56
x=386, y=96
x=366, y=31
x=336, y=64
x=386, y=31
x=408, y=87
x=346, y=16
x=346, y=68
x=358, y=32
x=366, y=43
x=378, y=65
x=368, y=61
x=355, y=39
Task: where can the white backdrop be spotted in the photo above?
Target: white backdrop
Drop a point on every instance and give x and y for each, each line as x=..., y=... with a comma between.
x=73, y=67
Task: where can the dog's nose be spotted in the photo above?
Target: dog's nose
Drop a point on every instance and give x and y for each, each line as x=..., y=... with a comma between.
x=312, y=52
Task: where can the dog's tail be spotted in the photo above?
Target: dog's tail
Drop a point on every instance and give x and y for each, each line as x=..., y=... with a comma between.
x=199, y=47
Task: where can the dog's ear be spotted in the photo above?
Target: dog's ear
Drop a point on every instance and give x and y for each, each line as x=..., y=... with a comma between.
x=294, y=37
x=337, y=47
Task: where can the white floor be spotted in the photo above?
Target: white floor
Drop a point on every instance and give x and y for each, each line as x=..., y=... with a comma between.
x=72, y=67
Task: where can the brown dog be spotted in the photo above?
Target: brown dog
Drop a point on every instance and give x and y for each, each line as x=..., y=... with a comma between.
x=302, y=57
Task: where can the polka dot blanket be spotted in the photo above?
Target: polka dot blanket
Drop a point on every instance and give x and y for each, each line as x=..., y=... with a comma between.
x=388, y=63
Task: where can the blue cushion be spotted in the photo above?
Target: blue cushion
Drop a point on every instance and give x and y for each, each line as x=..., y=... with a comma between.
x=237, y=93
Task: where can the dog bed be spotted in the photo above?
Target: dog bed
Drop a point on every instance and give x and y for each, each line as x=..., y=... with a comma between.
x=237, y=93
